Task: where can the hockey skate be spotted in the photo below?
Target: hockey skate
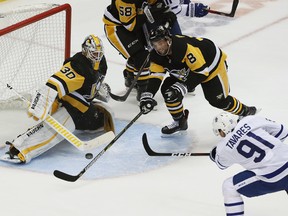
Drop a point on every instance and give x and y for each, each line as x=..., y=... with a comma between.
x=191, y=91
x=248, y=111
x=178, y=127
x=12, y=156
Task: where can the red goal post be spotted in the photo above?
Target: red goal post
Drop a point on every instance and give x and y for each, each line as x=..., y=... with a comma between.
x=34, y=42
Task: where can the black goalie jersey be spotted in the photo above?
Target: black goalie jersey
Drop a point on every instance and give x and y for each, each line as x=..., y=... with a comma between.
x=193, y=61
x=78, y=81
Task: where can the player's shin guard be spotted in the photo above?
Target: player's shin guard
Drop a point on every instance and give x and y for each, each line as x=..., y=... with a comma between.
x=173, y=97
x=128, y=77
x=131, y=72
x=142, y=82
x=141, y=87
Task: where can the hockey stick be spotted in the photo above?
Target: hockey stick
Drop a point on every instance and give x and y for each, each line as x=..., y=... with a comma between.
x=125, y=96
x=73, y=178
x=150, y=152
x=146, y=34
x=66, y=134
x=231, y=14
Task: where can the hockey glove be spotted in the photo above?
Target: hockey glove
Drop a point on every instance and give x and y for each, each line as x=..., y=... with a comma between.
x=154, y=12
x=41, y=103
x=147, y=103
x=213, y=154
x=169, y=17
x=197, y=10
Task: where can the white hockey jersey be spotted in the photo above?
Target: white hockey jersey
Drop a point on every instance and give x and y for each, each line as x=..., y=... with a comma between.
x=179, y=7
x=256, y=143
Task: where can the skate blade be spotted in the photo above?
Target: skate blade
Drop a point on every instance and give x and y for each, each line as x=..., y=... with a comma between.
x=7, y=158
x=258, y=110
x=191, y=94
x=176, y=134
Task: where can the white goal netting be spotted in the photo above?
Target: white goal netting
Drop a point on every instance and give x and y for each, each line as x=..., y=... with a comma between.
x=34, y=41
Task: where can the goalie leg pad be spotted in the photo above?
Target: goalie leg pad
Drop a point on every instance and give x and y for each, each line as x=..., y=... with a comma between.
x=40, y=138
x=42, y=102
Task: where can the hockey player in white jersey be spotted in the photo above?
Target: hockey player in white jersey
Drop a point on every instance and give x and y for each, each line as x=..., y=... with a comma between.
x=185, y=8
x=256, y=143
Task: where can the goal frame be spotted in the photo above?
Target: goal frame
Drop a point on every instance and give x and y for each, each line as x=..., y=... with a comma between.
x=65, y=7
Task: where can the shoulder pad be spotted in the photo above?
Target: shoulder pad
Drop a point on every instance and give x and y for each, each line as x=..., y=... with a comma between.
x=79, y=63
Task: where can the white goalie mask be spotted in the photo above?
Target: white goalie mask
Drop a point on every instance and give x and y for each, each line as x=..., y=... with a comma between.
x=92, y=48
x=225, y=122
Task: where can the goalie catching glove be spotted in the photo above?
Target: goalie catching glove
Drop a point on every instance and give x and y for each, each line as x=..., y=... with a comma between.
x=147, y=103
x=41, y=103
x=103, y=93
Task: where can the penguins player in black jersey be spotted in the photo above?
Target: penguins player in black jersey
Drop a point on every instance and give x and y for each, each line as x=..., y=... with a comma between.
x=190, y=62
x=68, y=96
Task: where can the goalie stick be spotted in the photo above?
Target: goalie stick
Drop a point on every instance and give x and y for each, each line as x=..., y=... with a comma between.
x=66, y=134
x=73, y=178
x=231, y=14
x=125, y=96
x=150, y=152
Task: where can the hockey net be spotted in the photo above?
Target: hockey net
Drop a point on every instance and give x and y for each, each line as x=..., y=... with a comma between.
x=34, y=42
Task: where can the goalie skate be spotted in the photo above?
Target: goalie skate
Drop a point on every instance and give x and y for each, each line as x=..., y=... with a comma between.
x=7, y=157
x=12, y=156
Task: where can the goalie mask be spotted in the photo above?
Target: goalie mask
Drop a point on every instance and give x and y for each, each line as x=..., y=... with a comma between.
x=92, y=48
x=225, y=122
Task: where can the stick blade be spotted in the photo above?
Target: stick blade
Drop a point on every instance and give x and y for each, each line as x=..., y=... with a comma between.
x=146, y=145
x=234, y=7
x=149, y=151
x=231, y=14
x=119, y=98
x=65, y=176
x=125, y=96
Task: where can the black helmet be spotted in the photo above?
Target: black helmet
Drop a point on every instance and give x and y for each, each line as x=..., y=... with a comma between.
x=159, y=33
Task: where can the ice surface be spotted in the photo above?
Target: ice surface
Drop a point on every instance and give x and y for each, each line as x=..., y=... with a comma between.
x=128, y=182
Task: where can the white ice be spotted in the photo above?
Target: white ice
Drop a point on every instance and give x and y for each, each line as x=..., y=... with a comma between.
x=256, y=44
